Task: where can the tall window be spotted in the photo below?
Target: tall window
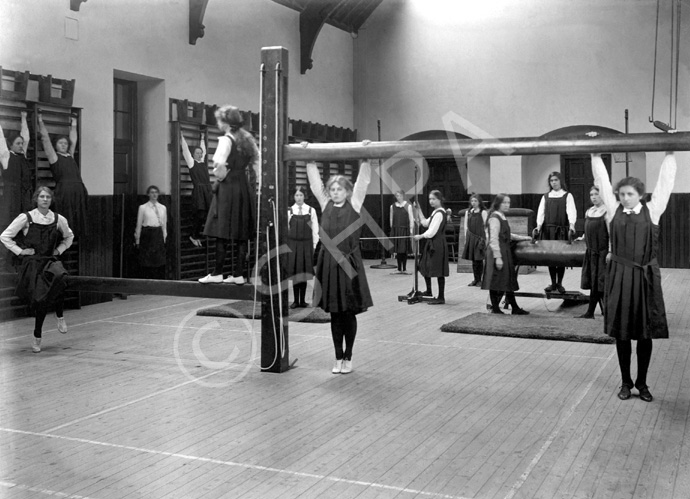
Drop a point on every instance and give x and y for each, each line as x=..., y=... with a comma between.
x=124, y=112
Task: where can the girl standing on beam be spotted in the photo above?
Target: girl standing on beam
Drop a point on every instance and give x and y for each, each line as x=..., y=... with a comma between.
x=232, y=216
x=556, y=216
x=342, y=288
x=634, y=308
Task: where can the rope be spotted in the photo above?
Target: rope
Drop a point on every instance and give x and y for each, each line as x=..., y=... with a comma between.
x=675, y=112
x=656, y=45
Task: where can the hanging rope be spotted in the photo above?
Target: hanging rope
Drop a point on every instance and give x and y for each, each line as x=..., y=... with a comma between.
x=656, y=46
x=678, y=20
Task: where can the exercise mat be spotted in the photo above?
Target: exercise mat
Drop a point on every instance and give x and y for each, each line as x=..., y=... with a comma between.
x=243, y=310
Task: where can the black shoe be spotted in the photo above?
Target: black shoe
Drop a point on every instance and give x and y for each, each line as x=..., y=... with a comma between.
x=437, y=301
x=645, y=394
x=560, y=289
x=304, y=305
x=479, y=284
x=624, y=393
x=550, y=289
x=426, y=293
x=584, y=316
x=294, y=305
x=519, y=311
x=496, y=311
x=473, y=283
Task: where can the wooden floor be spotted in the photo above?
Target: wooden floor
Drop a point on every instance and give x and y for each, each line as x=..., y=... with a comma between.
x=142, y=398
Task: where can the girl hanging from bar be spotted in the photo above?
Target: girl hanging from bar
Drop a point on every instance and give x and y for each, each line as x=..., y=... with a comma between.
x=556, y=217
x=475, y=237
x=38, y=237
x=402, y=228
x=303, y=236
x=201, y=182
x=596, y=237
x=16, y=173
x=499, y=271
x=434, y=259
x=232, y=216
x=634, y=304
x=70, y=192
x=342, y=287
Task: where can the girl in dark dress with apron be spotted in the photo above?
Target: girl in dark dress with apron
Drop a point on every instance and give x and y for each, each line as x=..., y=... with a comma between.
x=38, y=237
x=303, y=235
x=499, y=271
x=556, y=217
x=201, y=182
x=475, y=237
x=70, y=192
x=634, y=308
x=341, y=284
x=16, y=174
x=594, y=265
x=434, y=259
x=232, y=215
x=402, y=227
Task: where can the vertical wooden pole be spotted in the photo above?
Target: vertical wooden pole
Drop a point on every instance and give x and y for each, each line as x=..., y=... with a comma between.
x=274, y=205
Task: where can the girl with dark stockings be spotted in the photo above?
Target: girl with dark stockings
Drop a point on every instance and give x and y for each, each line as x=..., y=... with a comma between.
x=434, y=259
x=594, y=265
x=475, y=237
x=202, y=194
x=341, y=283
x=634, y=308
x=303, y=236
x=402, y=228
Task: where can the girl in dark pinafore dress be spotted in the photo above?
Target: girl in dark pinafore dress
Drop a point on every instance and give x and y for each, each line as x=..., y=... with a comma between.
x=475, y=237
x=402, y=228
x=303, y=235
x=38, y=237
x=232, y=216
x=16, y=173
x=556, y=217
x=594, y=265
x=201, y=182
x=434, y=259
x=499, y=271
x=634, y=303
x=70, y=192
x=341, y=287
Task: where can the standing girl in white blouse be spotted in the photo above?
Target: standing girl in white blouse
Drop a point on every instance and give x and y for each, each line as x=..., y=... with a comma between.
x=634, y=307
x=150, y=235
x=556, y=216
x=303, y=236
x=434, y=259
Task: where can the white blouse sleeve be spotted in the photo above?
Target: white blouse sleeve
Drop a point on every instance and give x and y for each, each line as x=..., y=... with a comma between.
x=8, y=235
x=436, y=219
x=164, y=221
x=67, y=235
x=186, y=154
x=602, y=181
x=316, y=184
x=664, y=188
x=571, y=209
x=361, y=186
x=494, y=229
x=220, y=157
x=314, y=228
x=540, y=212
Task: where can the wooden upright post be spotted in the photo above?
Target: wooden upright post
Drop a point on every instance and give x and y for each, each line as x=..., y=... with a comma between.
x=274, y=205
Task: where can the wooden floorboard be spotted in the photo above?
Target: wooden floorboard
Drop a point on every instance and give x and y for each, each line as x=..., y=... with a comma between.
x=124, y=405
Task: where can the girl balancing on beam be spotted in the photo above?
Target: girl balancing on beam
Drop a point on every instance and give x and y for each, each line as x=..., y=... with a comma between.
x=634, y=303
x=341, y=284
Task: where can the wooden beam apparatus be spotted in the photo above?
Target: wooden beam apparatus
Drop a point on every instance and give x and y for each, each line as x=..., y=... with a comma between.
x=116, y=285
x=197, y=10
x=274, y=203
x=521, y=146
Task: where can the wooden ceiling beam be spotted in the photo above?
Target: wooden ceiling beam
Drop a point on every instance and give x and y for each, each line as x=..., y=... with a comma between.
x=197, y=10
x=311, y=20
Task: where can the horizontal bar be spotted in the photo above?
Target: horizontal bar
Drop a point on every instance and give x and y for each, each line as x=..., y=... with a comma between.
x=524, y=146
x=155, y=287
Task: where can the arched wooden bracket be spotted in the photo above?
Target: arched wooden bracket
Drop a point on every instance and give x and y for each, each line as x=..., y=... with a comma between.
x=197, y=10
x=311, y=20
x=75, y=4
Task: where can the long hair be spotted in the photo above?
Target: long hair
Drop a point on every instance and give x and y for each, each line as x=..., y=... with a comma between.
x=496, y=205
x=480, y=201
x=38, y=191
x=559, y=176
x=633, y=182
x=244, y=141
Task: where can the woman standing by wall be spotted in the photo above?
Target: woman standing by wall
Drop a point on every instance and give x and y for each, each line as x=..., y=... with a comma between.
x=150, y=235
